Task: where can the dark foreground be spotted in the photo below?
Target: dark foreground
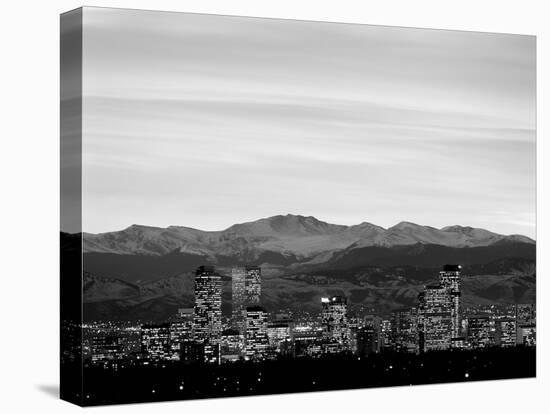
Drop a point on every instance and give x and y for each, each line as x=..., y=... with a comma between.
x=178, y=382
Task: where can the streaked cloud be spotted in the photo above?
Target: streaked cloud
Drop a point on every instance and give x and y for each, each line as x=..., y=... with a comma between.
x=205, y=121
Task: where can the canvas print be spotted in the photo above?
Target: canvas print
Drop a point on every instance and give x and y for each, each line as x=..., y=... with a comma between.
x=259, y=206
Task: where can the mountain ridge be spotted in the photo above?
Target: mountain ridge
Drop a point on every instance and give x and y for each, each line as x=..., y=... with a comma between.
x=304, y=237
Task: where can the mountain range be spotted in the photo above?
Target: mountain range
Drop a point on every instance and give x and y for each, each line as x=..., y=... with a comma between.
x=147, y=272
x=291, y=235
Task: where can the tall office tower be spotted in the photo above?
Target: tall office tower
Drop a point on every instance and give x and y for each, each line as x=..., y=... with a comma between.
x=506, y=332
x=434, y=318
x=525, y=324
x=155, y=341
x=386, y=340
x=404, y=328
x=449, y=278
x=207, y=318
x=278, y=334
x=246, y=291
x=525, y=314
x=256, y=340
x=480, y=331
x=335, y=321
x=181, y=330
x=232, y=345
x=527, y=335
x=253, y=285
x=238, y=298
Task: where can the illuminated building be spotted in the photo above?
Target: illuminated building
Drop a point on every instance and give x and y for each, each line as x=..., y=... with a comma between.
x=238, y=298
x=506, y=332
x=480, y=331
x=528, y=335
x=335, y=321
x=253, y=285
x=525, y=314
x=404, y=328
x=449, y=278
x=106, y=347
x=246, y=291
x=207, y=318
x=181, y=330
x=155, y=341
x=386, y=341
x=256, y=340
x=434, y=319
x=278, y=334
x=307, y=343
x=232, y=345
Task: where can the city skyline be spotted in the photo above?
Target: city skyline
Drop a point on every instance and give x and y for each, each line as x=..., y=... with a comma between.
x=177, y=131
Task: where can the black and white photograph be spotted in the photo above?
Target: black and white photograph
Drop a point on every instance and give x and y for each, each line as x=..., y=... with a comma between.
x=261, y=206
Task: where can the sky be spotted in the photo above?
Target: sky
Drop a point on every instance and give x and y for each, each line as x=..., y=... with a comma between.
x=206, y=121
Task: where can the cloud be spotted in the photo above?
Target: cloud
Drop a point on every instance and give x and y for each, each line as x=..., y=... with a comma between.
x=207, y=120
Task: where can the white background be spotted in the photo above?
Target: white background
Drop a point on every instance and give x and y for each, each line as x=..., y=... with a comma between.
x=29, y=151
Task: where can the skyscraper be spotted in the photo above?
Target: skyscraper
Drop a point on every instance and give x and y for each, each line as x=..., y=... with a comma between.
x=506, y=332
x=434, y=318
x=155, y=341
x=253, y=285
x=256, y=340
x=181, y=330
x=479, y=331
x=207, y=319
x=246, y=291
x=449, y=278
x=238, y=298
x=404, y=329
x=335, y=321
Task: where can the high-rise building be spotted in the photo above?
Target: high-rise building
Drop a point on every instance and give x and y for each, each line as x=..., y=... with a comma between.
x=386, y=340
x=335, y=321
x=207, y=318
x=232, y=345
x=246, y=291
x=525, y=314
x=256, y=340
x=155, y=341
x=528, y=335
x=278, y=334
x=506, y=332
x=253, y=285
x=434, y=318
x=480, y=331
x=404, y=329
x=238, y=298
x=181, y=330
x=449, y=278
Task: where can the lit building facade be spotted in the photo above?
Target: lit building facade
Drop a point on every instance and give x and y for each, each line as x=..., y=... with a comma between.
x=449, y=278
x=155, y=341
x=256, y=340
x=335, y=321
x=506, y=332
x=404, y=329
x=181, y=330
x=207, y=317
x=434, y=319
x=278, y=335
x=246, y=291
x=528, y=335
x=480, y=331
